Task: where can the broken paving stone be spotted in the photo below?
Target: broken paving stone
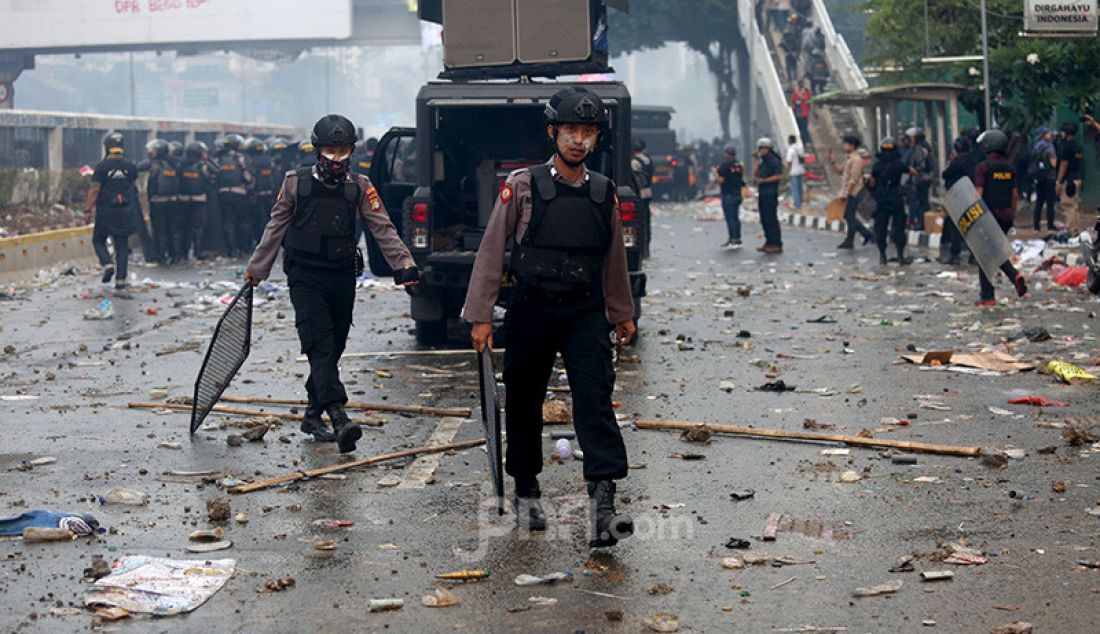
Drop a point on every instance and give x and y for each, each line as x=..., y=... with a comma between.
x=614, y=616
x=742, y=494
x=556, y=412
x=241, y=518
x=727, y=386
x=99, y=568
x=659, y=589
x=218, y=509
x=850, y=476
x=256, y=433
x=209, y=547
x=1078, y=436
x=1058, y=486
x=903, y=564
x=207, y=535
x=890, y=587
x=125, y=497
x=1015, y=627
x=994, y=458
x=662, y=622
x=732, y=563
x=700, y=435
x=233, y=440
x=389, y=481
x=442, y=598
x=278, y=585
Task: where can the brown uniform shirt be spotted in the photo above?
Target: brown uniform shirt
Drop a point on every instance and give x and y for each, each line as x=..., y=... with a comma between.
x=370, y=207
x=509, y=220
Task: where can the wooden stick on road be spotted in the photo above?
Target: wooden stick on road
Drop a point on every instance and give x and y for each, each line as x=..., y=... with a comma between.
x=221, y=409
x=344, y=466
x=459, y=412
x=947, y=450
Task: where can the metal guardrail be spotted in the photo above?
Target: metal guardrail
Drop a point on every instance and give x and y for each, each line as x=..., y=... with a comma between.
x=766, y=76
x=843, y=64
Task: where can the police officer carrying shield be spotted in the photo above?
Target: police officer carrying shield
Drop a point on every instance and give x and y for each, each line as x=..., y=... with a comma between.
x=313, y=220
x=995, y=180
x=197, y=176
x=568, y=263
x=112, y=200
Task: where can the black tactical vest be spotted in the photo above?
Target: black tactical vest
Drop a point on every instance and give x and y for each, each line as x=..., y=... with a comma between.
x=565, y=245
x=263, y=175
x=192, y=180
x=229, y=170
x=118, y=189
x=167, y=182
x=1000, y=180
x=322, y=229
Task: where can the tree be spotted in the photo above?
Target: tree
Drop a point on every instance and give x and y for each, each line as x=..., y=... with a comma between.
x=1029, y=77
x=707, y=26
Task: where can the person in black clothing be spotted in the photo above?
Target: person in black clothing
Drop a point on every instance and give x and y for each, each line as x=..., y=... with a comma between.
x=197, y=178
x=885, y=184
x=261, y=170
x=111, y=200
x=963, y=164
x=1067, y=186
x=1043, y=167
x=768, y=172
x=731, y=179
x=995, y=180
x=163, y=191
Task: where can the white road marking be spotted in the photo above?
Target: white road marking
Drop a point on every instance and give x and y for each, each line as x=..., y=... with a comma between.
x=423, y=468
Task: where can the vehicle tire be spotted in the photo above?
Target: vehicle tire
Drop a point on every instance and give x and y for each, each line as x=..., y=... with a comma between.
x=431, y=333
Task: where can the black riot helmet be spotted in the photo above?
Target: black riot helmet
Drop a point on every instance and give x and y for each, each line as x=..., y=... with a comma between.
x=114, y=142
x=887, y=145
x=306, y=148
x=576, y=105
x=175, y=149
x=277, y=144
x=962, y=144
x=332, y=130
x=993, y=141
x=254, y=146
x=233, y=142
x=157, y=148
x=196, y=150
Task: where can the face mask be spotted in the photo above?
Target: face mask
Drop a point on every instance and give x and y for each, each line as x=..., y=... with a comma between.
x=330, y=170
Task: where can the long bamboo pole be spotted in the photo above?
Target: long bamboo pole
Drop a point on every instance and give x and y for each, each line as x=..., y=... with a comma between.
x=222, y=409
x=800, y=435
x=344, y=466
x=461, y=412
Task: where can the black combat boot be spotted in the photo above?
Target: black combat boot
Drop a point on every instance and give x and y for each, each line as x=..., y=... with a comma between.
x=347, y=432
x=313, y=424
x=528, y=509
x=607, y=528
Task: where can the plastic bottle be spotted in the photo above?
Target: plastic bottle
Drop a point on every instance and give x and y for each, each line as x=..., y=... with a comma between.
x=563, y=448
x=126, y=497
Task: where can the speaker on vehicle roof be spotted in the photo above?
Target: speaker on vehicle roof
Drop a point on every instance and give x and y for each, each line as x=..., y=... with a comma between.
x=478, y=33
x=553, y=31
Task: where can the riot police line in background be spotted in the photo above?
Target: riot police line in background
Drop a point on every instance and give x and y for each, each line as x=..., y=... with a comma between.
x=205, y=203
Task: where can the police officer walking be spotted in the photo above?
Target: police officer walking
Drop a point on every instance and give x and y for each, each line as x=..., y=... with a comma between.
x=995, y=180
x=569, y=266
x=885, y=184
x=313, y=220
x=112, y=200
x=163, y=191
x=234, y=183
x=964, y=163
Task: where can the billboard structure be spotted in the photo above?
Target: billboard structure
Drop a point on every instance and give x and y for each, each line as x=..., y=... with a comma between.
x=1054, y=18
x=60, y=25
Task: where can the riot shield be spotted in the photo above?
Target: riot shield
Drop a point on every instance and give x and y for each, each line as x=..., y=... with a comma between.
x=227, y=352
x=978, y=227
x=490, y=419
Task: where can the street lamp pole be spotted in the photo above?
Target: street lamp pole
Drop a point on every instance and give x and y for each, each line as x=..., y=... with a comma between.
x=985, y=69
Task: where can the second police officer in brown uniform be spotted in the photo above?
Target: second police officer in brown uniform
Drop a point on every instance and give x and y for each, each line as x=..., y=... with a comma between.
x=561, y=223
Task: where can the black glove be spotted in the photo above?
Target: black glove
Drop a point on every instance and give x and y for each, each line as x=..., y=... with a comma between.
x=1071, y=188
x=404, y=276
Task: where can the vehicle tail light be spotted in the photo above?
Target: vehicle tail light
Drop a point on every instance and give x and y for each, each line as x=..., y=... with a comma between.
x=674, y=163
x=420, y=238
x=630, y=239
x=420, y=212
x=628, y=211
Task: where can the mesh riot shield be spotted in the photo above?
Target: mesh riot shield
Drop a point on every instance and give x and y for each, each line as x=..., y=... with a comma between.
x=978, y=227
x=228, y=349
x=490, y=419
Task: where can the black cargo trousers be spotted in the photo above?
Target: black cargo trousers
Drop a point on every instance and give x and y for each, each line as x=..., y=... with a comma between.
x=323, y=301
x=537, y=329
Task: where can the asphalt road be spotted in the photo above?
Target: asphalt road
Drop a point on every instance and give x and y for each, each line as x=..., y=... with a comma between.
x=412, y=521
